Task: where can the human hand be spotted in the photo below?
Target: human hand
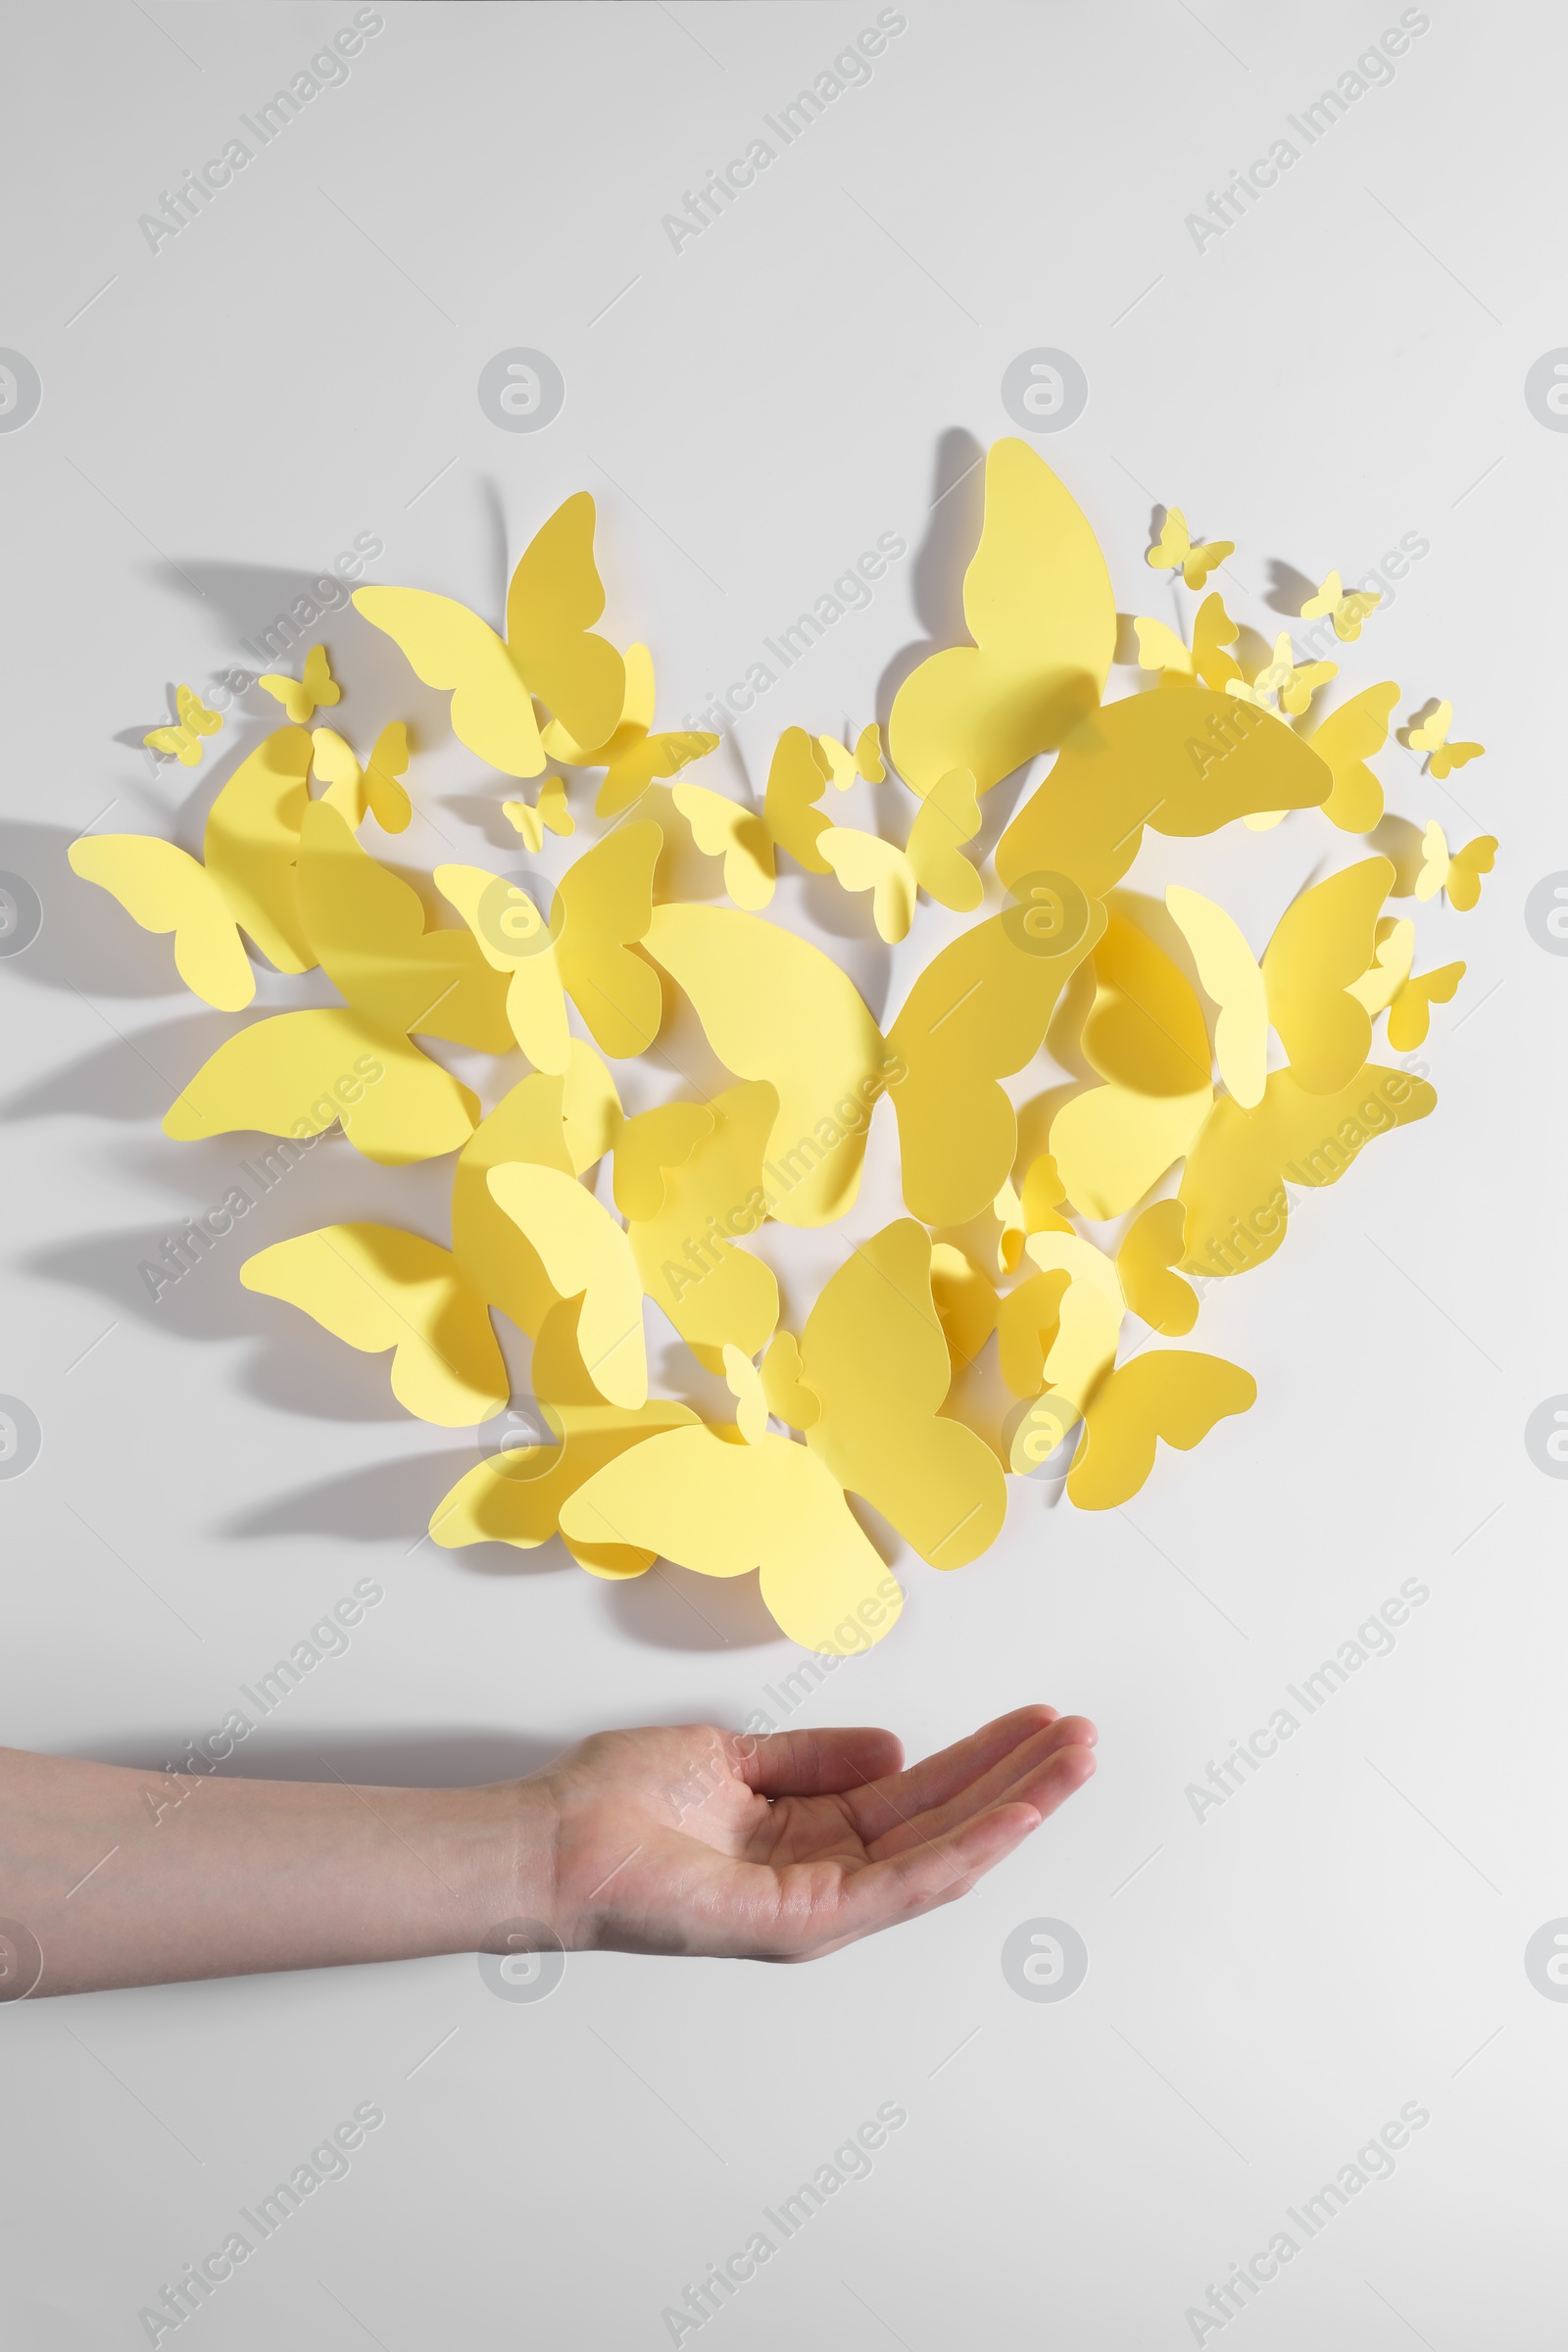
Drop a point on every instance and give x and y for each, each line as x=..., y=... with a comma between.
x=698, y=1841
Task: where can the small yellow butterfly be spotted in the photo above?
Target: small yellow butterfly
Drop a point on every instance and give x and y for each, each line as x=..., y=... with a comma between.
x=301, y=698
x=352, y=789
x=1457, y=871
x=549, y=809
x=1432, y=736
x=183, y=743
x=1348, y=611
x=1176, y=548
x=1294, y=686
x=1391, y=983
x=841, y=765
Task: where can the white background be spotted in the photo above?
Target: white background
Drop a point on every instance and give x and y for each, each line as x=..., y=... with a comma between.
x=1345, y=365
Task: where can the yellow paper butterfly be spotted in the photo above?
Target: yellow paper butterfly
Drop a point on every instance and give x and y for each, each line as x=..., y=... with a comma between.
x=1303, y=988
x=1038, y=605
x=302, y=697
x=353, y=790
x=1167, y=1393
x=248, y=880
x=184, y=742
x=1294, y=687
x=585, y=1254
x=931, y=861
x=1159, y=647
x=1458, y=872
x=549, y=809
x=631, y=756
x=1348, y=611
x=550, y=649
x=843, y=765
x=1432, y=736
x=795, y=780
x=874, y=1362
x=1175, y=547
x=1346, y=740
x=865, y=861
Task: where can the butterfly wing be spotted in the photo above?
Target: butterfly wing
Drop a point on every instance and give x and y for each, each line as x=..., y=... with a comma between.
x=721, y=828
x=773, y=1006
x=583, y=1250
x=977, y=1013
x=319, y=684
x=868, y=755
x=1159, y=647
x=795, y=785
x=1327, y=599
x=643, y=761
x=1351, y=611
x=452, y=649
x=1201, y=560
x=1433, y=730
x=606, y=901
x=1151, y=1246
x=865, y=861
x=1174, y=544
x=384, y=791
x=647, y=1146
x=367, y=928
x=1168, y=1393
x=1466, y=869
x=1186, y=761
x=713, y=1291
x=1346, y=740
x=1039, y=603
x=518, y=1497
x=496, y=1256
x=297, y=1073
x=164, y=889
x=1435, y=863
x=378, y=1288
x=947, y=818
x=723, y=1509
x=874, y=1353
x=1410, y=1013
x=297, y=700
x=1324, y=943
x=194, y=714
x=555, y=598
x=1229, y=973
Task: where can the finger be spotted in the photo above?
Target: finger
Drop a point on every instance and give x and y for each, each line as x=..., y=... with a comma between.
x=1009, y=1778
x=935, y=1779
x=815, y=1763
x=927, y=1875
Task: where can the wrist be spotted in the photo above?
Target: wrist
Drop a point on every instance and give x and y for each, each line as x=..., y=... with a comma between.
x=507, y=1855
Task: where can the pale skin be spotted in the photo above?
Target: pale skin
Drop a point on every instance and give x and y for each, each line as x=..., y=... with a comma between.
x=687, y=1840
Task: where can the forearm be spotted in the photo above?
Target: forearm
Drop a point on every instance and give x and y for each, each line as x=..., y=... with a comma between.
x=136, y=1878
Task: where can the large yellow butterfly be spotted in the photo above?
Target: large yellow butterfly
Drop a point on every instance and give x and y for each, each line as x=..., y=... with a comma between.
x=1175, y=549
x=1348, y=611
x=302, y=697
x=1458, y=872
x=871, y=1371
x=1039, y=603
x=550, y=649
x=247, y=882
x=1432, y=736
x=1303, y=985
x=184, y=742
x=631, y=756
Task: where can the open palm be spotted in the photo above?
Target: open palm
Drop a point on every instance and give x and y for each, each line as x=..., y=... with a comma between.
x=700, y=1840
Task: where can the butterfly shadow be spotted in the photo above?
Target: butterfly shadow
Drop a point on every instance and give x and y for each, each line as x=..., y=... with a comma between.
x=952, y=533
x=382, y=1502
x=1288, y=589
x=672, y=1608
x=123, y=1078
